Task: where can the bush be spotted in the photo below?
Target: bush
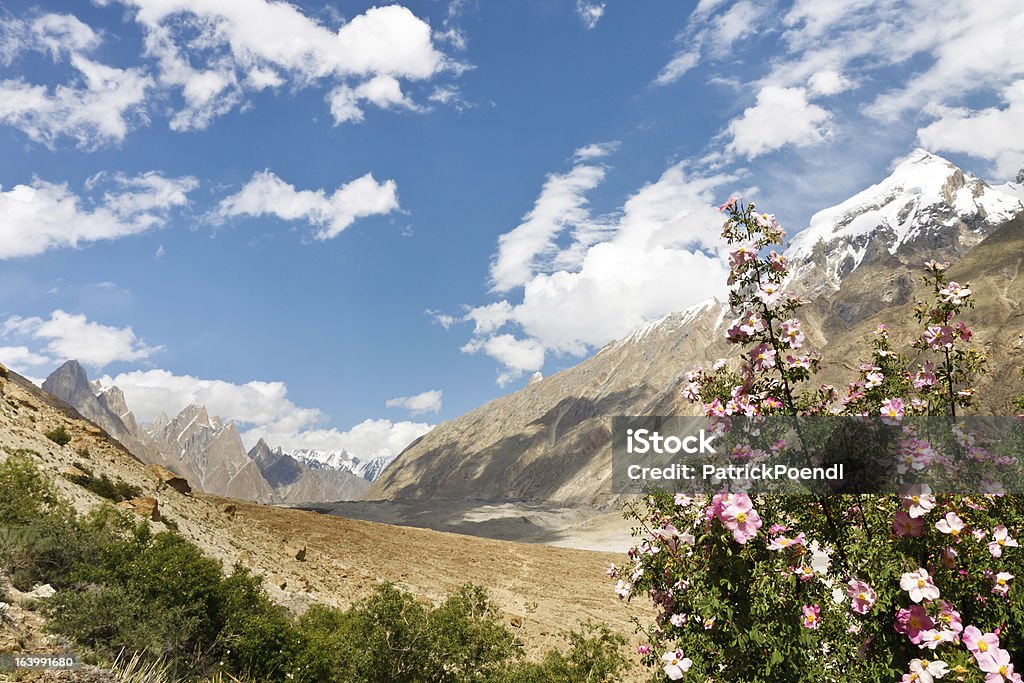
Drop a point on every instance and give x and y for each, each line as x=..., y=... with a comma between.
x=828, y=587
x=594, y=656
x=105, y=488
x=59, y=436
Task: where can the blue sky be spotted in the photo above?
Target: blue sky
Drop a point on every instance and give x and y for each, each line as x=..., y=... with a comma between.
x=339, y=224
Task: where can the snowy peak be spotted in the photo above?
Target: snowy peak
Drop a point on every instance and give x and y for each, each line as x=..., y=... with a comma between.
x=367, y=468
x=925, y=198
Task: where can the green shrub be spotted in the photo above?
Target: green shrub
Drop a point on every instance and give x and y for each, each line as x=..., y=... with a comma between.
x=28, y=493
x=59, y=436
x=104, y=487
x=594, y=656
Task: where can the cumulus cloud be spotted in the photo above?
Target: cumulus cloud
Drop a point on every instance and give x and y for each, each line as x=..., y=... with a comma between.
x=590, y=12
x=652, y=256
x=515, y=355
x=98, y=106
x=371, y=438
x=216, y=54
x=66, y=336
x=43, y=215
x=425, y=402
x=781, y=116
x=993, y=133
x=22, y=359
x=267, y=195
x=262, y=410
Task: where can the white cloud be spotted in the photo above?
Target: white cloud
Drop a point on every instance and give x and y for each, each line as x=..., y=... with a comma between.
x=679, y=66
x=369, y=439
x=266, y=194
x=383, y=91
x=98, y=106
x=648, y=261
x=262, y=409
x=43, y=215
x=590, y=12
x=710, y=35
x=21, y=359
x=596, y=150
x=828, y=82
x=216, y=54
x=561, y=204
x=933, y=62
x=781, y=116
x=516, y=355
x=425, y=402
x=68, y=336
x=993, y=133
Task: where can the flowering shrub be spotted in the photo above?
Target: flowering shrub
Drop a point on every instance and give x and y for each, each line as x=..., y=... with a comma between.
x=916, y=586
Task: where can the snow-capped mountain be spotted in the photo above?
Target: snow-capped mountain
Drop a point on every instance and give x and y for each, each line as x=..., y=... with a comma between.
x=859, y=264
x=299, y=481
x=927, y=203
x=367, y=468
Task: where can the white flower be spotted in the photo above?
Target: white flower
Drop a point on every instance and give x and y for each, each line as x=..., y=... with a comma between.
x=927, y=671
x=676, y=664
x=919, y=585
x=950, y=524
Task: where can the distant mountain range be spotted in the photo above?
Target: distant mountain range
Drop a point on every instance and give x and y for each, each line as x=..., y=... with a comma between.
x=209, y=453
x=858, y=262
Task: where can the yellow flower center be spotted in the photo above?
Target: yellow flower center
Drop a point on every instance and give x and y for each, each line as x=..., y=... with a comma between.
x=742, y=517
x=1001, y=541
x=862, y=596
x=915, y=499
x=1003, y=670
x=920, y=583
x=1001, y=582
x=982, y=646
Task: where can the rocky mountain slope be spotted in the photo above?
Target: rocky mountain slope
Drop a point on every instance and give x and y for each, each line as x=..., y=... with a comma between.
x=307, y=557
x=859, y=262
x=205, y=450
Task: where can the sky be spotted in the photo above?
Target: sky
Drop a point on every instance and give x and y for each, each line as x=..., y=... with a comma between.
x=338, y=224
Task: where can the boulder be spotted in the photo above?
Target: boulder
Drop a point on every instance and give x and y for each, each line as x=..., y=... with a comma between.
x=296, y=552
x=229, y=509
x=145, y=506
x=43, y=591
x=170, y=479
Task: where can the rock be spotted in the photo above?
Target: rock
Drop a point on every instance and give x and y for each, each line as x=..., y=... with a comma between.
x=44, y=591
x=4, y=373
x=145, y=506
x=517, y=622
x=229, y=509
x=72, y=472
x=280, y=582
x=170, y=479
x=296, y=553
